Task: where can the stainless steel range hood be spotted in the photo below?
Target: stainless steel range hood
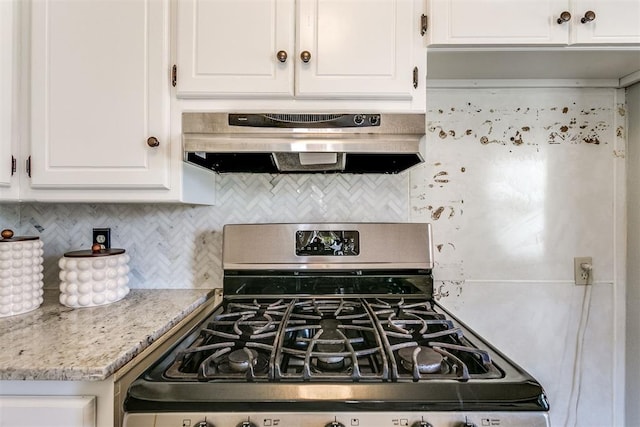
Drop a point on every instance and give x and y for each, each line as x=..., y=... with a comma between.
x=303, y=143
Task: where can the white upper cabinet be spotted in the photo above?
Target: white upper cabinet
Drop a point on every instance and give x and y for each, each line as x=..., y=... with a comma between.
x=356, y=48
x=612, y=21
x=99, y=94
x=496, y=22
x=533, y=22
x=230, y=47
x=8, y=83
x=321, y=49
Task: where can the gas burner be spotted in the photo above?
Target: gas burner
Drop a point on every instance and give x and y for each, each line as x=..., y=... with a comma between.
x=342, y=367
x=331, y=341
x=322, y=365
x=244, y=362
x=425, y=359
x=240, y=360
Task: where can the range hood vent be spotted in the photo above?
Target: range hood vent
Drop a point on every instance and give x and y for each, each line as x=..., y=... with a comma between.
x=303, y=143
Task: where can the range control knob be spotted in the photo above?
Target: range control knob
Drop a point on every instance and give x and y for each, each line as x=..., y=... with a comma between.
x=247, y=424
x=334, y=424
x=467, y=424
x=358, y=119
x=421, y=424
x=203, y=424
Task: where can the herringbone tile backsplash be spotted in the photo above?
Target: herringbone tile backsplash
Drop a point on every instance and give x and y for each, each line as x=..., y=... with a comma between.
x=179, y=246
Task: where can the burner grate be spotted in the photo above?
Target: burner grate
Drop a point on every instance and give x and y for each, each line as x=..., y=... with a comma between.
x=331, y=339
x=408, y=330
x=339, y=342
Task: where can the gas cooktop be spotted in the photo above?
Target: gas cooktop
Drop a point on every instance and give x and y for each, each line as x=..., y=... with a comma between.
x=333, y=319
x=331, y=339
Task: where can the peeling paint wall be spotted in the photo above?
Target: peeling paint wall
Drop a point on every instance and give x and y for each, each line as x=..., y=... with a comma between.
x=505, y=168
x=518, y=182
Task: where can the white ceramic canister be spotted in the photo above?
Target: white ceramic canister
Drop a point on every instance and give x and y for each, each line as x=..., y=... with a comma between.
x=21, y=285
x=93, y=277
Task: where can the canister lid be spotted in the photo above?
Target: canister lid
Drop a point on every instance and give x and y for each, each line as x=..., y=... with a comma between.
x=95, y=251
x=7, y=236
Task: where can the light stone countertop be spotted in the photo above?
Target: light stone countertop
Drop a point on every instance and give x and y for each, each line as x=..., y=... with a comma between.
x=55, y=342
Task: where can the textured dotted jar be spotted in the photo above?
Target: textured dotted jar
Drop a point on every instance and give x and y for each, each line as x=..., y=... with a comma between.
x=20, y=274
x=93, y=277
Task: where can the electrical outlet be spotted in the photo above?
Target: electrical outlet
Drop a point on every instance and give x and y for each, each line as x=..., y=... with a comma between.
x=583, y=270
x=102, y=236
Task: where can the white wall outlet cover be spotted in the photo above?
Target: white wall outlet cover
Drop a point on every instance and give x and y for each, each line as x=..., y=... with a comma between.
x=583, y=270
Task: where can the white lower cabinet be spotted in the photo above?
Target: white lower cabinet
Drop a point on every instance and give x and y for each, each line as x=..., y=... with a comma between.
x=50, y=411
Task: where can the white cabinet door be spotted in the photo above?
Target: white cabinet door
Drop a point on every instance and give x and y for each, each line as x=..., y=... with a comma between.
x=357, y=49
x=51, y=411
x=614, y=21
x=229, y=48
x=99, y=90
x=497, y=22
x=533, y=22
x=8, y=146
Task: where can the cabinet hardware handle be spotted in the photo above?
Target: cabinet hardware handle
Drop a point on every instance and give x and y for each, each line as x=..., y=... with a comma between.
x=424, y=24
x=564, y=17
x=589, y=16
x=305, y=56
x=153, y=142
x=13, y=165
x=282, y=56
x=174, y=75
x=415, y=77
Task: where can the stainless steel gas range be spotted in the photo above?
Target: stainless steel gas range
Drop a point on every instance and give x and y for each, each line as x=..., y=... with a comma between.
x=332, y=325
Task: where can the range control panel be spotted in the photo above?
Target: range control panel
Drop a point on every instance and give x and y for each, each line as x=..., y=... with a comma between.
x=327, y=243
x=342, y=419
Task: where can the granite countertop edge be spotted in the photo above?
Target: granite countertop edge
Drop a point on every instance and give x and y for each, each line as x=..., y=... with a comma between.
x=90, y=344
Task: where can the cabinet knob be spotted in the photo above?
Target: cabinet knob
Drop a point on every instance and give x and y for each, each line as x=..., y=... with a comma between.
x=564, y=17
x=305, y=56
x=153, y=142
x=282, y=56
x=589, y=16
